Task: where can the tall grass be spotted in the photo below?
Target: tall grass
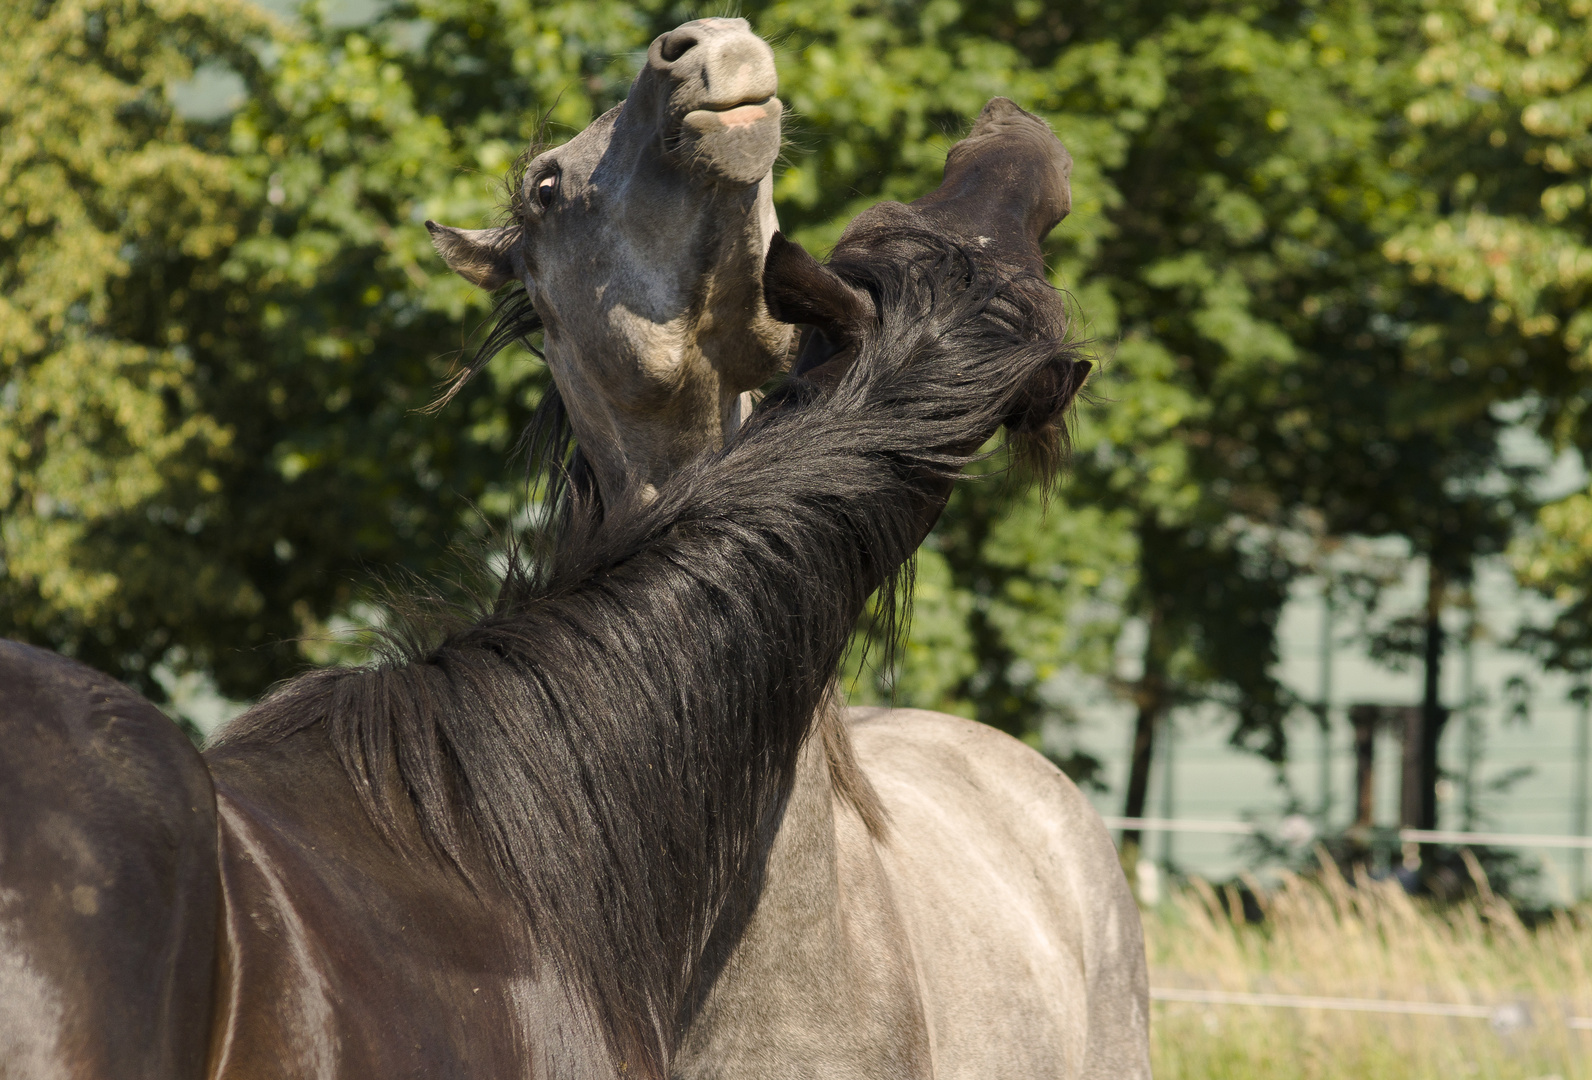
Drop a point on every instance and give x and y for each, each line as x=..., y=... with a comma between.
x=1322, y=937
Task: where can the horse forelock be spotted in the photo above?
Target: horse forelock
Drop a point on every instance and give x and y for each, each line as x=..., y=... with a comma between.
x=607, y=741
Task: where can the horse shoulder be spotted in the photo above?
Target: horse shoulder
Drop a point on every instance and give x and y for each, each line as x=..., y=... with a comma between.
x=1026, y=936
x=353, y=953
x=107, y=878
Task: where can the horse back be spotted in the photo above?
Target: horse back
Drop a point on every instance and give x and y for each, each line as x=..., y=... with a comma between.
x=1026, y=938
x=108, y=883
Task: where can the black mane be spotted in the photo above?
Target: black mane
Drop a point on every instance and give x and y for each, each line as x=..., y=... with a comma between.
x=606, y=740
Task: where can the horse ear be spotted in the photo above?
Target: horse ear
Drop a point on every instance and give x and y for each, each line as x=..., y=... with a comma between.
x=799, y=289
x=482, y=257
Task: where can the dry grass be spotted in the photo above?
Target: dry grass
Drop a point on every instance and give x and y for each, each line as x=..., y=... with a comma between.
x=1323, y=938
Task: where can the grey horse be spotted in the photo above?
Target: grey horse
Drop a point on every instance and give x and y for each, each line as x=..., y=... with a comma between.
x=937, y=899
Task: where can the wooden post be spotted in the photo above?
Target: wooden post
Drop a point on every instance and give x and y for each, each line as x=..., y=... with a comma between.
x=1363, y=718
x=1420, y=800
x=1152, y=699
x=1412, y=771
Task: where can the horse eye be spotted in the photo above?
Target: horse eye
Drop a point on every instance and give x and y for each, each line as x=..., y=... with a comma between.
x=546, y=188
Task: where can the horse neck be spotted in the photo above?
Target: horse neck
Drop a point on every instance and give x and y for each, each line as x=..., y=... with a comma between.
x=614, y=471
x=811, y=943
x=797, y=843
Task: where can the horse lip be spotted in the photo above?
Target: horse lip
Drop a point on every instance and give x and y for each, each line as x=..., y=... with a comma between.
x=740, y=114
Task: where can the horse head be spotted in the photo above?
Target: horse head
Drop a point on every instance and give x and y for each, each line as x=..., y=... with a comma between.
x=640, y=245
x=1006, y=186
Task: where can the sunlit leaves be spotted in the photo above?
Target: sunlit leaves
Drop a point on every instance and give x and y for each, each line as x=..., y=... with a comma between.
x=1512, y=81
x=104, y=445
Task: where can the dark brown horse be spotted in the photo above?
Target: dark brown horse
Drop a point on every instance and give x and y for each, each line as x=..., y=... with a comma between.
x=509, y=850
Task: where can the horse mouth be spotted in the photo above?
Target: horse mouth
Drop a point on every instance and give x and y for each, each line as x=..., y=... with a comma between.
x=742, y=115
x=737, y=142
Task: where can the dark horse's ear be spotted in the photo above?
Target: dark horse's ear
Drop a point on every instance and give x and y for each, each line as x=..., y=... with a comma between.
x=483, y=257
x=799, y=289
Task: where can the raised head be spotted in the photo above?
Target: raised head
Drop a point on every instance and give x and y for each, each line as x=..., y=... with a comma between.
x=640, y=246
x=1006, y=186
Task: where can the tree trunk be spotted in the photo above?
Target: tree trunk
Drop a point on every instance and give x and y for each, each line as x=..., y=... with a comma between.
x=1364, y=719
x=1151, y=698
x=1424, y=727
x=1434, y=717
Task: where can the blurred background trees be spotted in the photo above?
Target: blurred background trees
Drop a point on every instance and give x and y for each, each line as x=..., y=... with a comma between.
x=1330, y=254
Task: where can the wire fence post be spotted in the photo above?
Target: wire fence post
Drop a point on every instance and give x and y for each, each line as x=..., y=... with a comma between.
x=1168, y=738
x=1324, y=710
x=1583, y=745
x=1472, y=729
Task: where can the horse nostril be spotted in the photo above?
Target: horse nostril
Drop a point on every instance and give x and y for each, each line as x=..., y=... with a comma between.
x=676, y=45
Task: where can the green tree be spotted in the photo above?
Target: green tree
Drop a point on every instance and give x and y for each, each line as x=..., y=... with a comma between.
x=116, y=220
x=1506, y=115
x=1471, y=324
x=1214, y=148
x=875, y=100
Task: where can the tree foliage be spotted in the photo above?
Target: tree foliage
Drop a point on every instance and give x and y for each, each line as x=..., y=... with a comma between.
x=116, y=222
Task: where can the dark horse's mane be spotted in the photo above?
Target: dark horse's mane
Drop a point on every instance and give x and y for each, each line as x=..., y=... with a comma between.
x=606, y=741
